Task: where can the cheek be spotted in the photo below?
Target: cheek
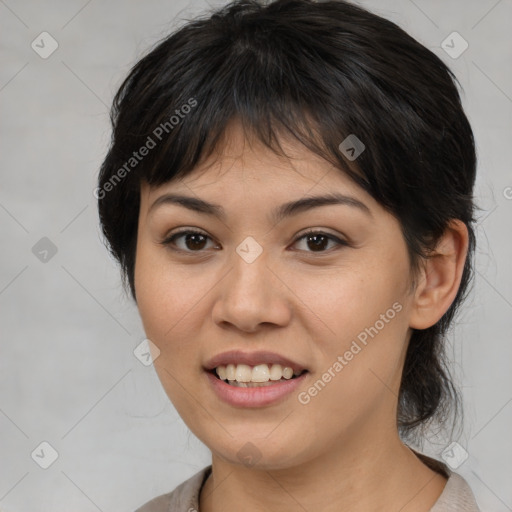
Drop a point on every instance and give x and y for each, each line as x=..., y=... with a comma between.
x=171, y=301
x=362, y=312
x=157, y=301
x=163, y=296
x=147, y=285
x=166, y=308
x=351, y=299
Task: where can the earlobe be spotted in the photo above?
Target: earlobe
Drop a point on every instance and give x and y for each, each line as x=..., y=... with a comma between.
x=440, y=277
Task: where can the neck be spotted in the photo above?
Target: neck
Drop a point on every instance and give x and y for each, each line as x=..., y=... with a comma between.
x=354, y=476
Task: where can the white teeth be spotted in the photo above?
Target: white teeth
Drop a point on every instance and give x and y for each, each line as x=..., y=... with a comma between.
x=261, y=373
x=230, y=371
x=287, y=372
x=243, y=373
x=276, y=372
x=222, y=372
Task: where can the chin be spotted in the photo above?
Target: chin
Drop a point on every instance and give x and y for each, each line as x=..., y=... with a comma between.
x=259, y=453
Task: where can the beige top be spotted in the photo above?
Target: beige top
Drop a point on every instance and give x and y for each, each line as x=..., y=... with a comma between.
x=456, y=496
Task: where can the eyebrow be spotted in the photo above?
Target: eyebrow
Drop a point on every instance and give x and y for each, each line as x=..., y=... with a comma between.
x=285, y=210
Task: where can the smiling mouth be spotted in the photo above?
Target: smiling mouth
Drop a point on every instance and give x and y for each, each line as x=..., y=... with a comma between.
x=262, y=375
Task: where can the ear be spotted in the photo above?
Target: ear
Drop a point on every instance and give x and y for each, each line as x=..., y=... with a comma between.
x=440, y=277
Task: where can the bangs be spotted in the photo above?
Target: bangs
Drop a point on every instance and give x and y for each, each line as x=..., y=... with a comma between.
x=252, y=81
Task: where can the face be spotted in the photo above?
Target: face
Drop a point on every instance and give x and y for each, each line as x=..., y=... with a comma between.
x=323, y=288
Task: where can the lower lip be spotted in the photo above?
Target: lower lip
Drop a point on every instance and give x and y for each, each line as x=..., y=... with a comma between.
x=256, y=396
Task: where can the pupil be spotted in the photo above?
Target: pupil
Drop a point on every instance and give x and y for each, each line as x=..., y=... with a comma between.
x=316, y=240
x=195, y=244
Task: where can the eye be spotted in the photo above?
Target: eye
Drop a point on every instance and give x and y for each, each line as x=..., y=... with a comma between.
x=192, y=240
x=318, y=240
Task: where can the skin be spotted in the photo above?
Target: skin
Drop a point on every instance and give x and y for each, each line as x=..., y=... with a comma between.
x=341, y=451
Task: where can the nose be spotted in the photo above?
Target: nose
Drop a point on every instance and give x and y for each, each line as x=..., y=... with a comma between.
x=251, y=296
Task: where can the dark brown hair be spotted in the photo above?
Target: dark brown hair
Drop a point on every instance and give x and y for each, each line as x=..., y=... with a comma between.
x=316, y=71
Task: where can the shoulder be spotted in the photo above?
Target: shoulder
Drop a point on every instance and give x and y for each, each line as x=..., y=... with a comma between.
x=185, y=498
x=456, y=496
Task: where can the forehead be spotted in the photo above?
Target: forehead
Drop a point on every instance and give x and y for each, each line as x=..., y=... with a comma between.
x=242, y=164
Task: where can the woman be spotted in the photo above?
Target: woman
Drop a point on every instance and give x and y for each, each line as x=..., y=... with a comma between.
x=289, y=194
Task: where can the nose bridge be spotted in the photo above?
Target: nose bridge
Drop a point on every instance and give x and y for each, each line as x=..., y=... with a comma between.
x=250, y=276
x=249, y=296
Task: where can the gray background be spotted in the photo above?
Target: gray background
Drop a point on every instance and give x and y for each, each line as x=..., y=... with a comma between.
x=68, y=374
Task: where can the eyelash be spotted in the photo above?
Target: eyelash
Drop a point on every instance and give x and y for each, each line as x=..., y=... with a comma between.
x=169, y=241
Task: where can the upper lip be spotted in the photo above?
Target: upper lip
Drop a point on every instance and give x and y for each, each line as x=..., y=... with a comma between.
x=251, y=359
